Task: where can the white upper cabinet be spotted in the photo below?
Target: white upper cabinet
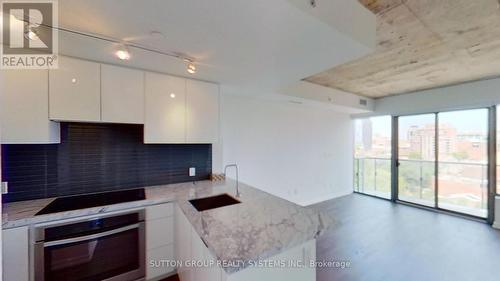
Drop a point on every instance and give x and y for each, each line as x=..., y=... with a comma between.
x=180, y=110
x=122, y=95
x=74, y=91
x=202, y=112
x=24, y=109
x=172, y=109
x=165, y=110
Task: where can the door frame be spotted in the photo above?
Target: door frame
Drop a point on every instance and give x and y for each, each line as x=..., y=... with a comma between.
x=492, y=162
x=491, y=166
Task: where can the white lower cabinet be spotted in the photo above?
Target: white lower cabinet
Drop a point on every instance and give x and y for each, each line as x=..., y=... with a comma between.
x=212, y=273
x=159, y=241
x=170, y=237
x=182, y=243
x=15, y=250
x=190, y=247
x=208, y=271
x=159, y=232
x=304, y=253
x=156, y=269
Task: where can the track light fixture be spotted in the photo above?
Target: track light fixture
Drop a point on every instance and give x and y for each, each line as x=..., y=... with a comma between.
x=123, y=53
x=191, y=67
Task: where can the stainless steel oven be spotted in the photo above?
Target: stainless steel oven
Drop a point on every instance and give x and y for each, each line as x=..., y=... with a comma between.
x=99, y=248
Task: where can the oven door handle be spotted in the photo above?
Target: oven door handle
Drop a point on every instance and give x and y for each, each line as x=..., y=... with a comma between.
x=92, y=236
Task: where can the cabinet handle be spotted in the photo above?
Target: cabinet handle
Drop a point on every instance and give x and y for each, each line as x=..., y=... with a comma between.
x=90, y=237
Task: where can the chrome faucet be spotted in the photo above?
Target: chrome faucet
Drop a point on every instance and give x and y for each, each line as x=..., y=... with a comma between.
x=237, y=180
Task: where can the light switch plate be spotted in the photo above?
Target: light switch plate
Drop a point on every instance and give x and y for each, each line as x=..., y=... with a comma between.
x=5, y=187
x=192, y=172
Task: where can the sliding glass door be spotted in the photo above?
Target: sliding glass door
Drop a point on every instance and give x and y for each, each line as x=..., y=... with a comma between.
x=443, y=161
x=417, y=159
x=463, y=162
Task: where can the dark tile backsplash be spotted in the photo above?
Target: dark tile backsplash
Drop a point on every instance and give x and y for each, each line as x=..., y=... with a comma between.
x=98, y=157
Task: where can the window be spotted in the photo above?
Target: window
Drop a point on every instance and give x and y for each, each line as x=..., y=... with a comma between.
x=456, y=143
x=372, y=156
x=463, y=168
x=416, y=151
x=442, y=159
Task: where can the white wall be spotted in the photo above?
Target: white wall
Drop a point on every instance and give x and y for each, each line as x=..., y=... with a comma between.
x=463, y=96
x=295, y=151
x=336, y=99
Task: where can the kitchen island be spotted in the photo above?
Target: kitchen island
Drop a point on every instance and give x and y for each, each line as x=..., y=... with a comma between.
x=262, y=237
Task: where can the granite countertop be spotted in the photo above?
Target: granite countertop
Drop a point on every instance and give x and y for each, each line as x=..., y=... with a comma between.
x=260, y=227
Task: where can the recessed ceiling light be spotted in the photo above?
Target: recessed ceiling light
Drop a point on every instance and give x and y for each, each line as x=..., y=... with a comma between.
x=172, y=95
x=191, y=68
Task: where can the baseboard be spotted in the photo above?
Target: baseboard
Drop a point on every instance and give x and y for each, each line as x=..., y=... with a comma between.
x=496, y=225
x=165, y=276
x=324, y=198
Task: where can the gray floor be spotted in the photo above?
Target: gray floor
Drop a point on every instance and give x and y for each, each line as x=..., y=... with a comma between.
x=386, y=241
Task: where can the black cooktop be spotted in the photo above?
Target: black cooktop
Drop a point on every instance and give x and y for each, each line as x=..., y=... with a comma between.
x=76, y=202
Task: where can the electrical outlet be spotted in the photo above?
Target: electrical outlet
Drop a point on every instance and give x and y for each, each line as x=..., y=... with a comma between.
x=5, y=187
x=192, y=172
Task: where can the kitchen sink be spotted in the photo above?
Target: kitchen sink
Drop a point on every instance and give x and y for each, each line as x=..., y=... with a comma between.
x=213, y=202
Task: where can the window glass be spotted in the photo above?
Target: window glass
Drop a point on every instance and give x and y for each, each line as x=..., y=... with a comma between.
x=372, y=155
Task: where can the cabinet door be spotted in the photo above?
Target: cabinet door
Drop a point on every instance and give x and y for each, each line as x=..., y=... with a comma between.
x=197, y=254
x=74, y=91
x=165, y=112
x=122, y=95
x=24, y=108
x=211, y=273
x=183, y=244
x=304, y=254
x=202, y=106
x=155, y=268
x=15, y=254
x=159, y=232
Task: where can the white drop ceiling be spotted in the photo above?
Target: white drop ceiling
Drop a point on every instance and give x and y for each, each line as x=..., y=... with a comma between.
x=255, y=44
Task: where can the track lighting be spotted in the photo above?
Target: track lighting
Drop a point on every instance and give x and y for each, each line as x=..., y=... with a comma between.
x=191, y=68
x=123, y=53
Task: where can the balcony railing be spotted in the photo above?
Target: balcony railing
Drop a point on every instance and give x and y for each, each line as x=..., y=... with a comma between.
x=373, y=176
x=462, y=185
